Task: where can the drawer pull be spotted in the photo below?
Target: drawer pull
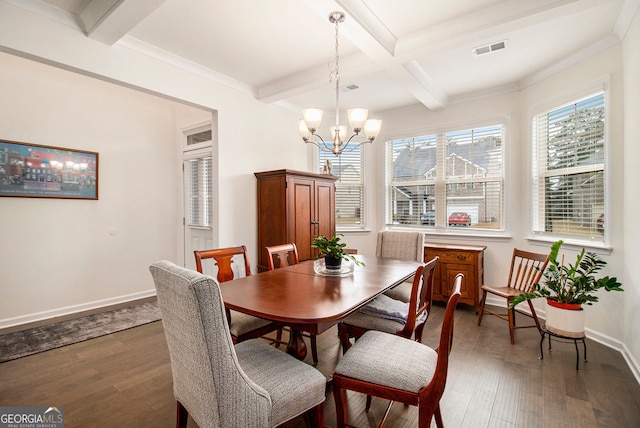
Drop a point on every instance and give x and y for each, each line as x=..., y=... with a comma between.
x=461, y=257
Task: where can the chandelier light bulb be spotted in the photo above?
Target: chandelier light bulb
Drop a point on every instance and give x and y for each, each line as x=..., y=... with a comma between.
x=312, y=118
x=357, y=118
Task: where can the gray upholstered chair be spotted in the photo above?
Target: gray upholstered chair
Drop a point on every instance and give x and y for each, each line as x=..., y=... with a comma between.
x=393, y=316
x=220, y=384
x=402, y=246
x=398, y=369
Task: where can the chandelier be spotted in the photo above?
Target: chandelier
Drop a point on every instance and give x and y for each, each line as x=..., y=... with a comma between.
x=312, y=117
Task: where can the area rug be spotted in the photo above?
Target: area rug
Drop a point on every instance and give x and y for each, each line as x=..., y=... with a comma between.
x=39, y=339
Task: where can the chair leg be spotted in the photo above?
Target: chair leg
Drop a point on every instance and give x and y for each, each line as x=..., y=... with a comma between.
x=484, y=297
x=343, y=333
x=425, y=417
x=182, y=416
x=278, y=338
x=314, y=349
x=340, y=398
x=438, y=416
x=314, y=418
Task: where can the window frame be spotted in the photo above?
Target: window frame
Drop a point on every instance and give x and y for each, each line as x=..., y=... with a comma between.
x=441, y=226
x=550, y=105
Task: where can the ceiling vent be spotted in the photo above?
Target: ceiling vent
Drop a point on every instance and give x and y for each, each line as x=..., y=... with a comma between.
x=349, y=88
x=486, y=49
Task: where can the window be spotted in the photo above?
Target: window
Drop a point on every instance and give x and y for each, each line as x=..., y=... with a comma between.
x=197, y=173
x=569, y=169
x=431, y=177
x=350, y=189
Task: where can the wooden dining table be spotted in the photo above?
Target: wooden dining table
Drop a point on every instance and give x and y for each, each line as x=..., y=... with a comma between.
x=300, y=298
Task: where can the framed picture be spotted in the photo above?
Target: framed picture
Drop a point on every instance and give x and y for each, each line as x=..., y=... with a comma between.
x=34, y=171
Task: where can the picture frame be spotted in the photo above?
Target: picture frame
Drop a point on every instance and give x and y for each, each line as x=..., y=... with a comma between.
x=36, y=171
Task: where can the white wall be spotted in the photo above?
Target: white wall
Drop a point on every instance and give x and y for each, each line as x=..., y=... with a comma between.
x=60, y=253
x=631, y=206
x=62, y=258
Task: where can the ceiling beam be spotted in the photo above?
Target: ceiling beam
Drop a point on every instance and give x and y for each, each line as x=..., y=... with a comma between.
x=109, y=20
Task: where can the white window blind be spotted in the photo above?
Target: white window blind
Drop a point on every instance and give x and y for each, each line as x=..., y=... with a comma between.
x=434, y=176
x=568, y=170
x=349, y=167
x=199, y=196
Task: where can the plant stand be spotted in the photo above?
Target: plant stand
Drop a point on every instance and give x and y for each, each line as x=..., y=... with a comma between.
x=564, y=339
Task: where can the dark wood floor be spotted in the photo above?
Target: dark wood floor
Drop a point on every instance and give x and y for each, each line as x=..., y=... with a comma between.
x=124, y=380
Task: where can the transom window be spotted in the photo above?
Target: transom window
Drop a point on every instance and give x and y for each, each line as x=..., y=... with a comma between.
x=569, y=170
x=449, y=180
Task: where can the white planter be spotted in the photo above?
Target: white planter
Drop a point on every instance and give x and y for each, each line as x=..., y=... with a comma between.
x=565, y=322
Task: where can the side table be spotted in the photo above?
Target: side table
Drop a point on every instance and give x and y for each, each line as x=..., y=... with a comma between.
x=564, y=339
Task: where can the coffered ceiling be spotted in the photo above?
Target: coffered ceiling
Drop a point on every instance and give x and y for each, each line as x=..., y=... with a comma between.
x=395, y=52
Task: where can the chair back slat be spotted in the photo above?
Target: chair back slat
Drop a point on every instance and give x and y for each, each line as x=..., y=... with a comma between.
x=281, y=255
x=228, y=263
x=421, y=297
x=526, y=269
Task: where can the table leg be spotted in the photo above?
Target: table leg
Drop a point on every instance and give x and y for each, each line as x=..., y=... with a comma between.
x=296, y=345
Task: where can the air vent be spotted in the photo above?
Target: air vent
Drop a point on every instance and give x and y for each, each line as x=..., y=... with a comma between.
x=348, y=88
x=483, y=50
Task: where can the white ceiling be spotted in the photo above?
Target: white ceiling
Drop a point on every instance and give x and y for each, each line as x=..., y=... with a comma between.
x=399, y=52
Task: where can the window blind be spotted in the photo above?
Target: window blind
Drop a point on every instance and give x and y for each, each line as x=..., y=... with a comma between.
x=198, y=187
x=568, y=170
x=349, y=167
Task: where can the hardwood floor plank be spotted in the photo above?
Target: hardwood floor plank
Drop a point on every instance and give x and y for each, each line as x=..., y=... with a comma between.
x=124, y=380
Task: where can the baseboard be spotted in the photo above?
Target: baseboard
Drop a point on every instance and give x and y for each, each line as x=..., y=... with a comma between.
x=594, y=335
x=9, y=325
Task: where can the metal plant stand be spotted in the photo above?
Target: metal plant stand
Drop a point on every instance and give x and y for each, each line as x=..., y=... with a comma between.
x=562, y=338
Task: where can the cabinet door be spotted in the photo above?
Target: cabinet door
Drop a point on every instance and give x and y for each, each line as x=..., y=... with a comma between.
x=325, y=209
x=449, y=272
x=301, y=212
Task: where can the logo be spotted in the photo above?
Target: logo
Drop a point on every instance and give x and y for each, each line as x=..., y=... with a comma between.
x=31, y=417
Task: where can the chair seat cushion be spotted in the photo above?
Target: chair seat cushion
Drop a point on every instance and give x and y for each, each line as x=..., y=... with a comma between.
x=385, y=307
x=294, y=387
x=389, y=360
x=372, y=322
x=506, y=292
x=401, y=291
x=243, y=323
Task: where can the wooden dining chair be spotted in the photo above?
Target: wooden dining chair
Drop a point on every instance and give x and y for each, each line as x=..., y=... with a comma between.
x=401, y=246
x=220, y=384
x=286, y=255
x=525, y=272
x=394, y=316
x=398, y=369
x=227, y=264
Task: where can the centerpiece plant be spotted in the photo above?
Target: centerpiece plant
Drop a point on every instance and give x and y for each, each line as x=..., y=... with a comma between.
x=332, y=249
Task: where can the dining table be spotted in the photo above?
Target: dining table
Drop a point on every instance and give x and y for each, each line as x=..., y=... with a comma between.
x=312, y=300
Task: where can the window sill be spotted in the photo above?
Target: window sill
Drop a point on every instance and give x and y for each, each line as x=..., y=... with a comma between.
x=572, y=244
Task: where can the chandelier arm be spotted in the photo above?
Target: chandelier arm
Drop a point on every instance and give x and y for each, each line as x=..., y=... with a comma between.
x=317, y=144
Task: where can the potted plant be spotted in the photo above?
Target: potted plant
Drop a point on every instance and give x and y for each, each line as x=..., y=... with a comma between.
x=332, y=251
x=567, y=288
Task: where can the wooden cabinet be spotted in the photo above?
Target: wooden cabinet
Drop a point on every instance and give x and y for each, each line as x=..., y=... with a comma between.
x=294, y=206
x=455, y=259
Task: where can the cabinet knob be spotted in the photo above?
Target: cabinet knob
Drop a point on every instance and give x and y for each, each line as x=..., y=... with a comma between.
x=461, y=257
x=315, y=222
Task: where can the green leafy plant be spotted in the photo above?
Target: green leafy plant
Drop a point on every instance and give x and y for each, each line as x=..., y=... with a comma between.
x=333, y=248
x=571, y=283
